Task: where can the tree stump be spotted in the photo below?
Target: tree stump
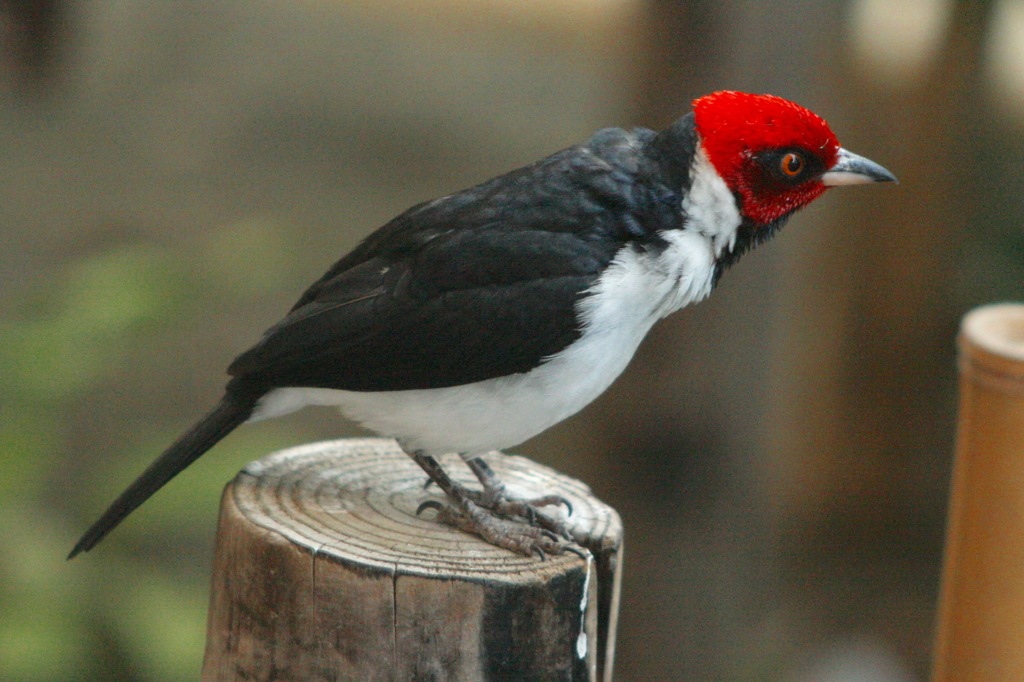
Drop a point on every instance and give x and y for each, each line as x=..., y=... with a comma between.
x=323, y=571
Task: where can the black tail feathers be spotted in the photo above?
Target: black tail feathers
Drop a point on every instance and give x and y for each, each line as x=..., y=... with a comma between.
x=222, y=420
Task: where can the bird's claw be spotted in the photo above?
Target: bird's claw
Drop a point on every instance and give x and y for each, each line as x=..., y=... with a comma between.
x=429, y=504
x=581, y=552
x=551, y=501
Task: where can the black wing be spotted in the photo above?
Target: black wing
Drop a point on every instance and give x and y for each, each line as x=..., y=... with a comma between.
x=479, y=284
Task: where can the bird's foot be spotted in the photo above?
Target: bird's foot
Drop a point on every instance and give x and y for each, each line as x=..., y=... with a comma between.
x=497, y=517
x=496, y=499
x=500, y=529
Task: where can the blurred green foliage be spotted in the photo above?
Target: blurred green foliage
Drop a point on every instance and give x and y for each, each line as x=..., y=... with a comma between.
x=68, y=340
x=61, y=347
x=54, y=349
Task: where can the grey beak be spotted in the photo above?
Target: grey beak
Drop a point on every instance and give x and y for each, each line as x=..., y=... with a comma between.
x=851, y=169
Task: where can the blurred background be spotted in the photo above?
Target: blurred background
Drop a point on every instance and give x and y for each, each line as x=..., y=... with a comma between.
x=173, y=174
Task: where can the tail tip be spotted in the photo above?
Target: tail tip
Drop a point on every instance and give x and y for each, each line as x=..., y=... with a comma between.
x=77, y=549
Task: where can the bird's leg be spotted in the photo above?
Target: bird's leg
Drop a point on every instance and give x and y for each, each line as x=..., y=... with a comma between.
x=465, y=513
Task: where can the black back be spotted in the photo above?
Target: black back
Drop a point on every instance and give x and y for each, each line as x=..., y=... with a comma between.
x=481, y=283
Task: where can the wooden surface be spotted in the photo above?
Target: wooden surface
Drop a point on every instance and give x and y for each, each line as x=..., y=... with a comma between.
x=981, y=608
x=323, y=571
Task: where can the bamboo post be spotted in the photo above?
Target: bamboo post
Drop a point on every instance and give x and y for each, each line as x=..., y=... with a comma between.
x=981, y=606
x=323, y=571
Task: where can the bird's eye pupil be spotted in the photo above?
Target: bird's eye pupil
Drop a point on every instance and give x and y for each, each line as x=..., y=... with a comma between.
x=792, y=164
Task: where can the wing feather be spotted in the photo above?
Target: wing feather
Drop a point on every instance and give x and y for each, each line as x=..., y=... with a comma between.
x=475, y=285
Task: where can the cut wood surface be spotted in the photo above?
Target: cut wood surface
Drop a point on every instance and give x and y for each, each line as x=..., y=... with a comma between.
x=323, y=571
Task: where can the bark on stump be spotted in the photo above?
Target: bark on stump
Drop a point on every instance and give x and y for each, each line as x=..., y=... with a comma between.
x=323, y=571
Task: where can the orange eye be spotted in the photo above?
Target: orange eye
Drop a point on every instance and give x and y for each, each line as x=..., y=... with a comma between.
x=791, y=164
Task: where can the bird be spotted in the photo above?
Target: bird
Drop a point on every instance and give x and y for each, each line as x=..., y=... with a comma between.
x=473, y=322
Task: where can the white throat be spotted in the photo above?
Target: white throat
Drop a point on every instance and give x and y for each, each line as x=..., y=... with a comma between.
x=710, y=206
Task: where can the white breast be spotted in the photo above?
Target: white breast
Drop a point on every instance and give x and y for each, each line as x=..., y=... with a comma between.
x=635, y=291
